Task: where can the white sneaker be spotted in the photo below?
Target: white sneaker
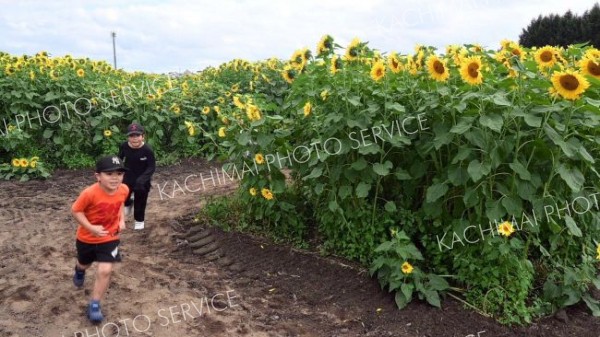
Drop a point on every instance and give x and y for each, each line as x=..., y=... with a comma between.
x=128, y=210
x=139, y=225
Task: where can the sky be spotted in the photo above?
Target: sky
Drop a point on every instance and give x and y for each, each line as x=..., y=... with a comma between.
x=162, y=36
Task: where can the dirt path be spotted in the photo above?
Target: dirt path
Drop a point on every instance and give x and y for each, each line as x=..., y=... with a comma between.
x=253, y=288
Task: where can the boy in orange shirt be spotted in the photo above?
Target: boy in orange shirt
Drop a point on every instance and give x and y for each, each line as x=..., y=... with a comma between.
x=99, y=213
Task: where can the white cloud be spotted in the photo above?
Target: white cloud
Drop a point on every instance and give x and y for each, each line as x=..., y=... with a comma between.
x=175, y=35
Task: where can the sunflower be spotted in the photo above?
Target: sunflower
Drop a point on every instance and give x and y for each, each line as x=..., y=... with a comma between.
x=353, y=50
x=175, y=108
x=252, y=191
x=107, y=133
x=16, y=162
x=9, y=69
x=235, y=87
x=216, y=108
x=324, y=94
x=80, y=72
x=336, y=64
x=325, y=45
x=506, y=228
x=516, y=50
x=470, y=70
x=298, y=59
x=227, y=93
x=307, y=109
x=53, y=74
x=259, y=158
x=266, y=193
x=221, y=99
x=437, y=69
x=237, y=102
x=190, y=127
x=545, y=57
x=288, y=74
x=394, y=63
x=206, y=110
x=225, y=120
x=24, y=162
x=407, y=268
x=31, y=75
x=222, y=132
x=590, y=67
x=151, y=97
x=569, y=84
x=378, y=71
x=253, y=112
x=33, y=164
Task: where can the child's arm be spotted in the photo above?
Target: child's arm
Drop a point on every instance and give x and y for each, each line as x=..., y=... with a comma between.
x=96, y=230
x=122, y=221
x=145, y=177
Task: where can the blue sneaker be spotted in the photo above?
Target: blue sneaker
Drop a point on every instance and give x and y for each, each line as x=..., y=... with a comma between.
x=78, y=278
x=94, y=313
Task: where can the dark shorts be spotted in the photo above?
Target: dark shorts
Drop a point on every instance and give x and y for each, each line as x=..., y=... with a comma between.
x=100, y=252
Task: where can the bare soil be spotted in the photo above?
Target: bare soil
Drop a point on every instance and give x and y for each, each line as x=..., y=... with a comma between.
x=184, y=279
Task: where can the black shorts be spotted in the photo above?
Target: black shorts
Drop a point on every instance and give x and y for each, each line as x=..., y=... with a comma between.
x=98, y=252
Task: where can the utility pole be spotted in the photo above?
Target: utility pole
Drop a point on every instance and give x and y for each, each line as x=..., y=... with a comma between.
x=114, y=35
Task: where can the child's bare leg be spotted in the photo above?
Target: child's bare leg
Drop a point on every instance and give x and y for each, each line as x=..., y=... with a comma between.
x=102, y=280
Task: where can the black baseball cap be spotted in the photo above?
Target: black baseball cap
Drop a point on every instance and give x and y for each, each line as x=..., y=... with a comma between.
x=135, y=128
x=110, y=164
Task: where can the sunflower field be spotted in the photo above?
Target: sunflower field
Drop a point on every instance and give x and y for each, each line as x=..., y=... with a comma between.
x=469, y=173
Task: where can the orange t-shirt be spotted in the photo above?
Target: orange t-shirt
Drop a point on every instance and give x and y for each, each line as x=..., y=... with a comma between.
x=100, y=208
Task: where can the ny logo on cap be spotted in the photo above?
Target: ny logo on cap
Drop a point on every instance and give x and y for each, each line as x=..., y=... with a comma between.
x=134, y=127
x=116, y=160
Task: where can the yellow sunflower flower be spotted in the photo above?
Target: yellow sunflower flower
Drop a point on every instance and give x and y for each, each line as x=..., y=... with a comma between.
x=190, y=128
x=33, y=164
x=470, y=70
x=336, y=64
x=259, y=158
x=235, y=87
x=506, y=228
x=353, y=50
x=569, y=84
x=238, y=103
x=266, y=193
x=545, y=57
x=378, y=71
x=225, y=120
x=53, y=74
x=24, y=162
x=221, y=100
x=80, y=73
x=107, y=133
x=31, y=75
x=437, y=69
x=228, y=93
x=394, y=63
x=9, y=69
x=175, y=108
x=206, y=110
x=222, y=132
x=216, y=108
x=407, y=268
x=324, y=94
x=590, y=67
x=252, y=191
x=253, y=112
x=325, y=45
x=307, y=109
x=16, y=162
x=288, y=74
